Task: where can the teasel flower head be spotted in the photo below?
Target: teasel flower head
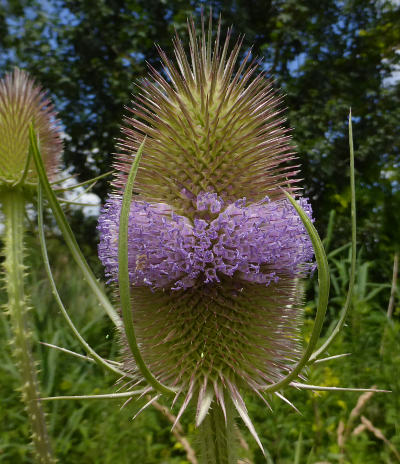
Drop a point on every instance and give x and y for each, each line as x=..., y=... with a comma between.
x=23, y=102
x=216, y=252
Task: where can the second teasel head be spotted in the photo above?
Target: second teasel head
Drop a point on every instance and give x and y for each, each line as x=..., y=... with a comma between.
x=23, y=102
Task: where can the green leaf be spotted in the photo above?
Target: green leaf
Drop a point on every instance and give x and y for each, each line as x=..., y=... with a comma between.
x=347, y=303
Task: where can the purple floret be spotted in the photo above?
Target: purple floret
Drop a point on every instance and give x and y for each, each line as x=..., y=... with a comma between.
x=256, y=243
x=158, y=242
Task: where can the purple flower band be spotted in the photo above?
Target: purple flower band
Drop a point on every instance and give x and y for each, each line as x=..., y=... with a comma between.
x=256, y=243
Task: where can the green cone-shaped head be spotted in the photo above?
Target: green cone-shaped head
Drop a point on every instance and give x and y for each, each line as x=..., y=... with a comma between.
x=22, y=102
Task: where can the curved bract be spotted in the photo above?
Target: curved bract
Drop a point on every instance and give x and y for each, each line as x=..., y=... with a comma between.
x=124, y=286
x=323, y=295
x=66, y=229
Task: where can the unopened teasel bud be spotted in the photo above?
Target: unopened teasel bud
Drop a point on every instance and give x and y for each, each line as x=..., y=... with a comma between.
x=22, y=103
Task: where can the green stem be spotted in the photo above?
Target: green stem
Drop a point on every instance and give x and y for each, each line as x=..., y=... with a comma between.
x=217, y=439
x=14, y=211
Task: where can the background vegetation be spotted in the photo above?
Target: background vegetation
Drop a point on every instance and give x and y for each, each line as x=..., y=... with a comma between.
x=326, y=56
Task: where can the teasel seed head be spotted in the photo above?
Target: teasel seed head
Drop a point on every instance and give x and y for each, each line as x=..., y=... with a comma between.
x=22, y=103
x=216, y=252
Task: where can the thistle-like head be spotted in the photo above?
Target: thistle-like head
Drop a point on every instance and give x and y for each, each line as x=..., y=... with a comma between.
x=216, y=252
x=22, y=103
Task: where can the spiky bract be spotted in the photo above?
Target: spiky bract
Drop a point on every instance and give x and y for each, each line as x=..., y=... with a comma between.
x=22, y=102
x=217, y=281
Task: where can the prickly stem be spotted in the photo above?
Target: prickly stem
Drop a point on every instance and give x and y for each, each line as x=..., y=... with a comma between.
x=13, y=204
x=217, y=439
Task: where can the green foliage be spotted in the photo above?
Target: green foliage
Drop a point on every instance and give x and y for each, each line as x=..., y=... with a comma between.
x=327, y=56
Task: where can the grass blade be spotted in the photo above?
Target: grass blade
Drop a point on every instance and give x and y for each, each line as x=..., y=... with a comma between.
x=347, y=303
